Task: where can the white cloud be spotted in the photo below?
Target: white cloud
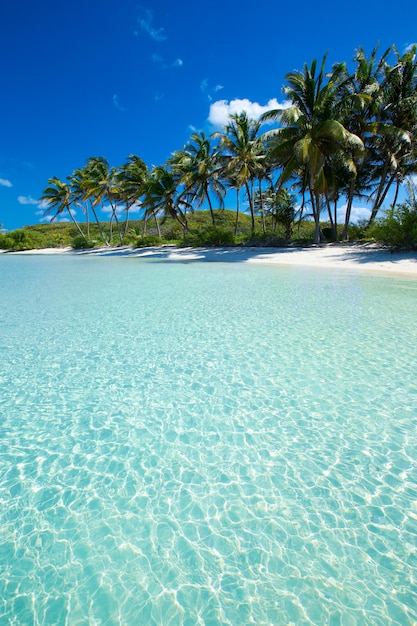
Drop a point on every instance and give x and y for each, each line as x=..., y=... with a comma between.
x=117, y=104
x=47, y=219
x=208, y=90
x=120, y=210
x=5, y=183
x=145, y=20
x=51, y=217
x=27, y=200
x=159, y=60
x=221, y=110
x=136, y=207
x=356, y=215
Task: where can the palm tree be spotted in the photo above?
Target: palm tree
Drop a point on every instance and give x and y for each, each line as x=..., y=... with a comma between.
x=280, y=205
x=359, y=95
x=396, y=126
x=75, y=182
x=162, y=196
x=310, y=134
x=244, y=154
x=80, y=183
x=58, y=197
x=198, y=166
x=100, y=185
x=132, y=178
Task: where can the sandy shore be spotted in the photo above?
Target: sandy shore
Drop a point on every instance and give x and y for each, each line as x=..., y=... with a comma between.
x=352, y=257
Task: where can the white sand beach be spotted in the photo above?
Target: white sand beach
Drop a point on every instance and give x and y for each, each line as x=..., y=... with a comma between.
x=353, y=257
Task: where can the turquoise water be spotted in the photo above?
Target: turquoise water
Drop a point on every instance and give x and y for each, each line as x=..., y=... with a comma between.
x=206, y=443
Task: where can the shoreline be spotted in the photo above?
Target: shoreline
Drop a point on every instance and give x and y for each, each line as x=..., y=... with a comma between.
x=367, y=258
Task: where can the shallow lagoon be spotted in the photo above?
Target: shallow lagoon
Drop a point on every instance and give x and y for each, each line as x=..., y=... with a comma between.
x=206, y=443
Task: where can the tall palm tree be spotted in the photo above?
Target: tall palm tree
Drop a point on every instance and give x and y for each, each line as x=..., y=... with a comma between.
x=358, y=97
x=244, y=154
x=162, y=196
x=310, y=134
x=198, y=166
x=132, y=178
x=396, y=126
x=58, y=197
x=101, y=185
x=75, y=181
x=80, y=182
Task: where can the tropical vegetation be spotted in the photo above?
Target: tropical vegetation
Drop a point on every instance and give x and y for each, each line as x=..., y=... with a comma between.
x=341, y=135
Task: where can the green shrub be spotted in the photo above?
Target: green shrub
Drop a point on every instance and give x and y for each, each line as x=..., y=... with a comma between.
x=22, y=239
x=6, y=242
x=327, y=233
x=210, y=236
x=79, y=243
x=398, y=227
x=359, y=231
x=174, y=233
x=265, y=240
x=148, y=240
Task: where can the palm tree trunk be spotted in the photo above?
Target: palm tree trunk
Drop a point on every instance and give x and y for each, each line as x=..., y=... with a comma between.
x=126, y=220
x=181, y=218
x=145, y=223
x=237, y=208
x=99, y=226
x=210, y=205
x=116, y=219
x=158, y=228
x=332, y=224
x=382, y=192
x=110, y=226
x=87, y=219
x=345, y=235
x=316, y=214
x=76, y=224
x=252, y=213
x=302, y=207
x=397, y=189
x=261, y=207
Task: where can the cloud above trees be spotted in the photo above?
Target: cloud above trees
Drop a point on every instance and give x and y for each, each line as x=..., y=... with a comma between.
x=221, y=110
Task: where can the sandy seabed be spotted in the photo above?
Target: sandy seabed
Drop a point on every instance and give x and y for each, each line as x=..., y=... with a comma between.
x=358, y=257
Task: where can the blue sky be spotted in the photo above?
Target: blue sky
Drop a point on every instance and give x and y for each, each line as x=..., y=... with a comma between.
x=88, y=78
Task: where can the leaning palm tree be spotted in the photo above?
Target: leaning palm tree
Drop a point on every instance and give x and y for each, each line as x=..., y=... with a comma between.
x=161, y=196
x=132, y=178
x=358, y=100
x=198, y=167
x=310, y=134
x=75, y=182
x=81, y=183
x=244, y=154
x=396, y=126
x=58, y=197
x=100, y=185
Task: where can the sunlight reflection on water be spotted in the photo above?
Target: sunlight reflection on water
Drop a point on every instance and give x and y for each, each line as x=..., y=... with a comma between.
x=206, y=443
